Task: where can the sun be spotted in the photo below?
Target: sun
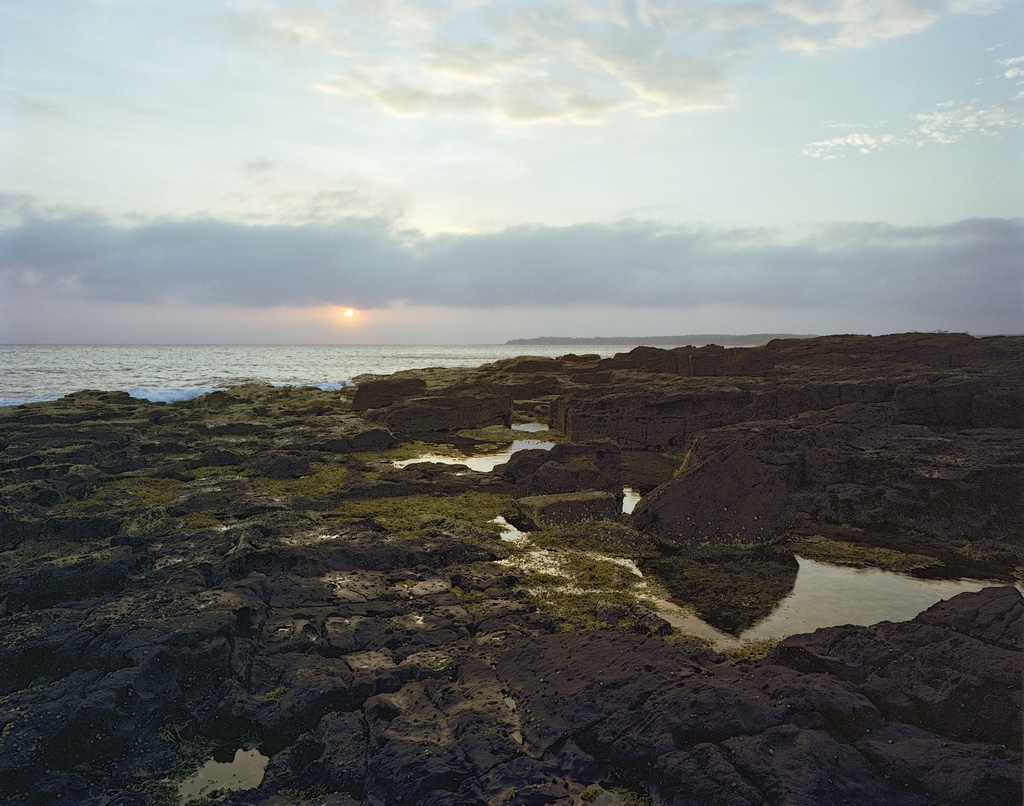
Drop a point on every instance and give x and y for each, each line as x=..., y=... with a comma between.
x=347, y=317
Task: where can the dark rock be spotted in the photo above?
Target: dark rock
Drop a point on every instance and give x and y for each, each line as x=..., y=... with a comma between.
x=661, y=415
x=945, y=772
x=214, y=458
x=14, y=528
x=215, y=401
x=733, y=497
x=563, y=509
x=894, y=486
x=280, y=466
x=696, y=733
x=173, y=576
x=611, y=537
x=994, y=615
x=644, y=470
x=82, y=528
x=533, y=364
x=566, y=468
x=955, y=403
x=379, y=393
x=372, y=439
x=470, y=408
x=947, y=679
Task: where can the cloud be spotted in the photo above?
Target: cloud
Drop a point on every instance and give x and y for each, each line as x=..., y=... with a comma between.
x=519, y=62
x=946, y=124
x=571, y=62
x=966, y=269
x=982, y=8
x=953, y=124
x=859, y=23
x=205, y=261
x=1015, y=70
x=861, y=141
x=830, y=24
x=528, y=63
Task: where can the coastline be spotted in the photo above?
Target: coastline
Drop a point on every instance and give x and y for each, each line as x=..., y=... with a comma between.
x=263, y=568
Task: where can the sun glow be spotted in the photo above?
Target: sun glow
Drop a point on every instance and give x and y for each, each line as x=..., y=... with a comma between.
x=341, y=315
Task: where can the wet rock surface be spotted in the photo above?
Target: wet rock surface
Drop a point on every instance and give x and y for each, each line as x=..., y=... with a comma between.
x=249, y=570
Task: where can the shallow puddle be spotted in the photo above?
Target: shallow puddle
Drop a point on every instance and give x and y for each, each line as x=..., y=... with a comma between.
x=245, y=771
x=630, y=498
x=829, y=595
x=529, y=427
x=823, y=595
x=483, y=462
x=509, y=533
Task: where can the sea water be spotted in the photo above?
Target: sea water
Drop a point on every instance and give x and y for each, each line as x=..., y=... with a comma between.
x=179, y=372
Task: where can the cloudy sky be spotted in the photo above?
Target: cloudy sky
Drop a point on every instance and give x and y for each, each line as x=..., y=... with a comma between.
x=445, y=171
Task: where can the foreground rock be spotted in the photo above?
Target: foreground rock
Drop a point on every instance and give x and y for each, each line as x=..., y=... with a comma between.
x=249, y=570
x=846, y=715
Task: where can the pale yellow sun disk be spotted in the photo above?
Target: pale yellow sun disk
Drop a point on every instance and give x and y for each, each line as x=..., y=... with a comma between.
x=342, y=316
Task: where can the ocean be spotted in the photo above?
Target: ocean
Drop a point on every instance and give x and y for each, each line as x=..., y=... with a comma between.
x=170, y=373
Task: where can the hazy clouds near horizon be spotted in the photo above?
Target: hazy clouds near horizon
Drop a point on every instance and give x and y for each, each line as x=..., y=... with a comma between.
x=968, y=271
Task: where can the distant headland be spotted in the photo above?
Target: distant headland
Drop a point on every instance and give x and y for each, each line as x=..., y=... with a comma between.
x=695, y=339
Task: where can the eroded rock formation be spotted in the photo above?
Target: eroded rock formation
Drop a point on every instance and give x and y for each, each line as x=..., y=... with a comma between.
x=250, y=570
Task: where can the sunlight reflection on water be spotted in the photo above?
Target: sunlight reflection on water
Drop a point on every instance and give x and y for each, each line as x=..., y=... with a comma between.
x=483, y=462
x=245, y=771
x=830, y=595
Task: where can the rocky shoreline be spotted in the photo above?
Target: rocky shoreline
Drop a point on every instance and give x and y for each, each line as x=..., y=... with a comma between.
x=251, y=570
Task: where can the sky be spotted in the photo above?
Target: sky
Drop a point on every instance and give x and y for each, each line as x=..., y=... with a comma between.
x=469, y=171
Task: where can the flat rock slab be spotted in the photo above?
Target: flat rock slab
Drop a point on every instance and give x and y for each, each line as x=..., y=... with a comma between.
x=565, y=509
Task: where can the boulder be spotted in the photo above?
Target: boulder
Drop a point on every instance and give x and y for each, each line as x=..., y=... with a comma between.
x=956, y=403
x=563, y=509
x=533, y=364
x=473, y=407
x=732, y=497
x=655, y=415
x=852, y=470
x=566, y=468
x=379, y=393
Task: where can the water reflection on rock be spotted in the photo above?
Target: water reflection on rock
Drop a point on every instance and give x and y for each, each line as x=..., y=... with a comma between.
x=244, y=771
x=483, y=462
x=829, y=595
x=729, y=587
